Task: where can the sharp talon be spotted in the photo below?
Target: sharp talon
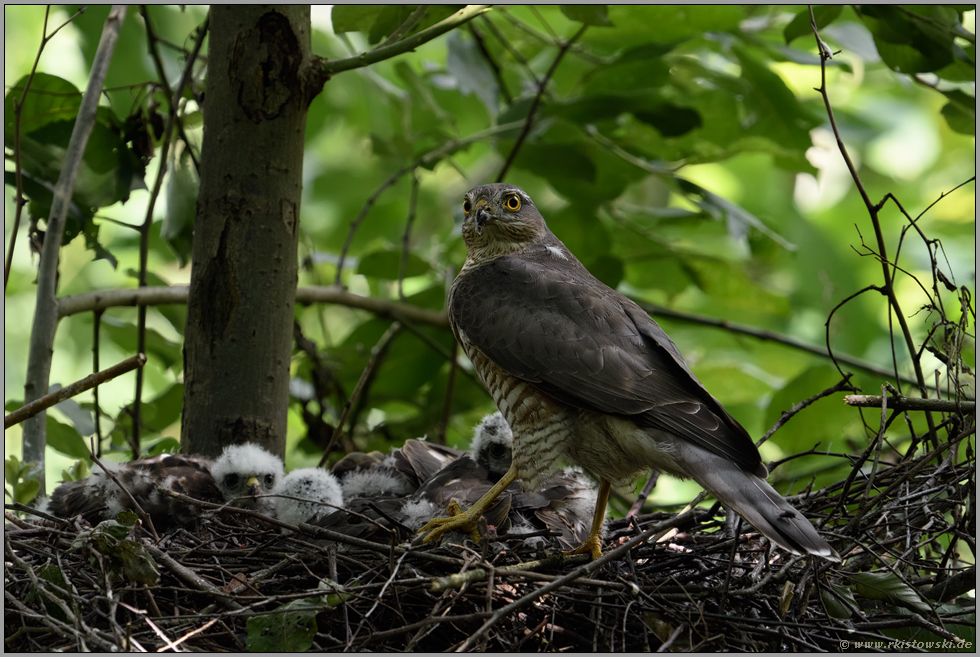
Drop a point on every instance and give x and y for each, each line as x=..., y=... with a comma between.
x=457, y=520
x=591, y=546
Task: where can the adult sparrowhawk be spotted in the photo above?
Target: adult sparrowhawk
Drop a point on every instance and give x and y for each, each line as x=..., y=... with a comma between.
x=580, y=371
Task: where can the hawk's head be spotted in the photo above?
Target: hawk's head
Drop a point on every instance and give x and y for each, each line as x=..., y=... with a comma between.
x=499, y=219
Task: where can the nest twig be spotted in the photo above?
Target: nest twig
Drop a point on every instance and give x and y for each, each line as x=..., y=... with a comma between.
x=222, y=585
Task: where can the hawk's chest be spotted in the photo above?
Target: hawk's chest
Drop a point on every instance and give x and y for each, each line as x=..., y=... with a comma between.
x=543, y=428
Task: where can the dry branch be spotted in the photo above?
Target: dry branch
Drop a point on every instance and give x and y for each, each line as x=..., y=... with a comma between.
x=912, y=404
x=58, y=396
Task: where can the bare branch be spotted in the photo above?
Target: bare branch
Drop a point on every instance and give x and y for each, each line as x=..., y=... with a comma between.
x=376, y=353
x=91, y=381
x=529, y=121
x=46, y=308
x=408, y=44
x=912, y=404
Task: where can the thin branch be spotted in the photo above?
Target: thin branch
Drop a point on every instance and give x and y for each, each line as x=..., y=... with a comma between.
x=192, y=579
x=96, y=366
x=456, y=580
x=177, y=295
x=46, y=308
x=529, y=121
x=843, y=384
x=376, y=353
x=464, y=15
x=889, y=287
x=497, y=74
x=425, y=160
x=409, y=25
x=516, y=54
x=768, y=336
x=306, y=295
x=641, y=499
x=407, y=236
x=136, y=505
x=58, y=396
x=581, y=571
x=912, y=404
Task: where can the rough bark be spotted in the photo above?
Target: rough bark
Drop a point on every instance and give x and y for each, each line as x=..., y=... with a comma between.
x=261, y=78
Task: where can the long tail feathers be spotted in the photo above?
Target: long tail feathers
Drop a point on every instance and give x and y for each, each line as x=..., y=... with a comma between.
x=757, y=502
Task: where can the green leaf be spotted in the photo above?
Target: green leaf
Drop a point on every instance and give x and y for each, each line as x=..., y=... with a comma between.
x=822, y=422
x=124, y=334
x=774, y=110
x=559, y=163
x=26, y=491
x=49, y=99
x=577, y=227
x=54, y=575
x=126, y=560
x=824, y=15
x=890, y=588
x=670, y=120
x=386, y=264
x=832, y=603
x=178, y=222
x=80, y=470
x=960, y=112
x=66, y=439
x=473, y=74
x=164, y=410
x=912, y=40
x=109, y=171
x=388, y=20
x=597, y=15
x=738, y=219
x=137, y=564
x=80, y=417
x=354, y=18
x=290, y=628
x=643, y=24
x=632, y=75
x=11, y=470
x=965, y=631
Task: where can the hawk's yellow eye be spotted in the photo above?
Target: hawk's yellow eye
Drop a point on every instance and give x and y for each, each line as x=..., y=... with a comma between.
x=467, y=206
x=513, y=202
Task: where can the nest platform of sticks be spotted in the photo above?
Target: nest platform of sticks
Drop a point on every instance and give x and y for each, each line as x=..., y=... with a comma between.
x=906, y=532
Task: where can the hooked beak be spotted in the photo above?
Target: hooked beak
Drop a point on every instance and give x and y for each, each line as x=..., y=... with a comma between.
x=483, y=217
x=252, y=486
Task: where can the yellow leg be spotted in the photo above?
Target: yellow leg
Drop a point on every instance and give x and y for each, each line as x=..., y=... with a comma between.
x=593, y=544
x=466, y=520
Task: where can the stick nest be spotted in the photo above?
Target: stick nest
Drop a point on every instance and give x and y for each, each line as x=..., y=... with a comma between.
x=675, y=582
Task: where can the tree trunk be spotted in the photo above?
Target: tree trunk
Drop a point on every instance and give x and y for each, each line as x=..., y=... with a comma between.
x=238, y=342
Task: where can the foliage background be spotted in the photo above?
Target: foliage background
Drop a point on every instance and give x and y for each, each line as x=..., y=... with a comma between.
x=690, y=165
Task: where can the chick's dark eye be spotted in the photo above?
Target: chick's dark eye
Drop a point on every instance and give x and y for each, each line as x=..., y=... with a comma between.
x=231, y=481
x=513, y=202
x=497, y=450
x=467, y=206
x=269, y=480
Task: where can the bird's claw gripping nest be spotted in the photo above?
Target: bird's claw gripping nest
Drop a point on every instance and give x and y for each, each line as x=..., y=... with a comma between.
x=458, y=520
